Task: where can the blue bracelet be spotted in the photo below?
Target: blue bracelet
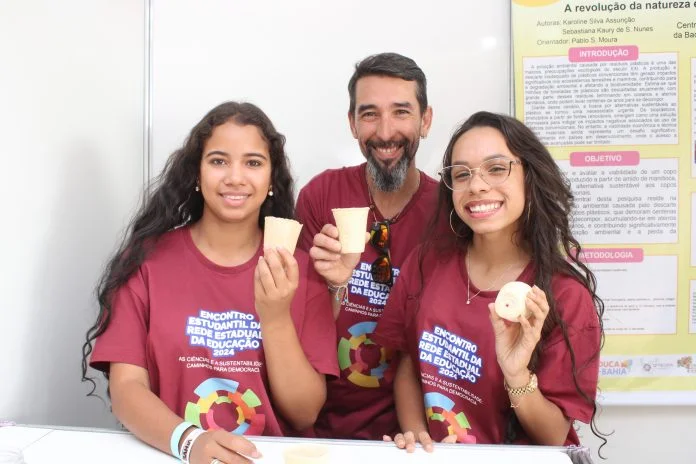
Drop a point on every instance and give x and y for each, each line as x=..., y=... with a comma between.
x=176, y=437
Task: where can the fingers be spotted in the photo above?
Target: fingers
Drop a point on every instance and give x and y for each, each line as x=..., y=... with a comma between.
x=528, y=331
x=264, y=277
x=497, y=321
x=290, y=265
x=538, y=306
x=228, y=457
x=409, y=442
x=258, y=286
x=537, y=303
x=425, y=441
x=275, y=266
x=330, y=231
x=400, y=441
x=450, y=439
x=238, y=445
x=318, y=254
x=278, y=272
x=327, y=240
x=223, y=446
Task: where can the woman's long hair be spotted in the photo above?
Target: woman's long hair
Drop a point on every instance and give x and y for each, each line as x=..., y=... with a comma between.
x=544, y=232
x=173, y=202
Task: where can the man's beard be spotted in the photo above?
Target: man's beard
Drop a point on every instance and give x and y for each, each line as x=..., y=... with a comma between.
x=391, y=178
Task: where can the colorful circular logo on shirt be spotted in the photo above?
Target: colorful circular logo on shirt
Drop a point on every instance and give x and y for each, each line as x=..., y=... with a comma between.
x=215, y=392
x=351, y=356
x=439, y=408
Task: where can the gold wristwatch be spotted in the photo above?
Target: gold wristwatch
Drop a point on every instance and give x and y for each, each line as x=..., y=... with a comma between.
x=519, y=391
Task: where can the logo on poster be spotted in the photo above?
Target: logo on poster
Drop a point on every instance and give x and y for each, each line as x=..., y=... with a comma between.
x=687, y=362
x=611, y=368
x=656, y=364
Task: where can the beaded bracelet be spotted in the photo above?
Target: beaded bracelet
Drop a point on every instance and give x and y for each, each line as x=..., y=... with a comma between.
x=339, y=290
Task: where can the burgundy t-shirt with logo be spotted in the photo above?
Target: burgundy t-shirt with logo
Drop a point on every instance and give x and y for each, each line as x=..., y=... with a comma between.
x=453, y=346
x=360, y=403
x=193, y=325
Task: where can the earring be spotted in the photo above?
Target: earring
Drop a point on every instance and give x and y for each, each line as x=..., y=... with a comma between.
x=452, y=227
x=270, y=192
x=198, y=187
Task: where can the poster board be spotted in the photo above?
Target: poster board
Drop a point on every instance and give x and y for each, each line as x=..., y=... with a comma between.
x=609, y=88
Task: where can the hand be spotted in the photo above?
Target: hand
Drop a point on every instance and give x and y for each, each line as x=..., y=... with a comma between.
x=275, y=282
x=515, y=341
x=334, y=267
x=407, y=440
x=224, y=446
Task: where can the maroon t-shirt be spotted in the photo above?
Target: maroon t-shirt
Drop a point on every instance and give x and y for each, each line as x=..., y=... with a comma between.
x=453, y=345
x=360, y=403
x=193, y=325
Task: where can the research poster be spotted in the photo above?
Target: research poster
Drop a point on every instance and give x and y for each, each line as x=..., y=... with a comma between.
x=610, y=88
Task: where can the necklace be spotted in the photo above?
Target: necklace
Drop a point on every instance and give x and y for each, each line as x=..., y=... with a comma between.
x=373, y=205
x=468, y=280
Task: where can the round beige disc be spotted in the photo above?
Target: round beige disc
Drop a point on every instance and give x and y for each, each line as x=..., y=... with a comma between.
x=510, y=303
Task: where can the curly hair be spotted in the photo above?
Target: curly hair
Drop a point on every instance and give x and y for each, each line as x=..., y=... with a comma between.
x=544, y=233
x=172, y=202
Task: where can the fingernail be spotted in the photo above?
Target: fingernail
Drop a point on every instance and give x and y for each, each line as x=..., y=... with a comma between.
x=255, y=454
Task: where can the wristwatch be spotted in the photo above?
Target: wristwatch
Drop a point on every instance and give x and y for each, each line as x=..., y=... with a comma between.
x=519, y=391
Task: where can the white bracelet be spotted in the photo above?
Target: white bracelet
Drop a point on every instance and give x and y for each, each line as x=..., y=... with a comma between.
x=185, y=451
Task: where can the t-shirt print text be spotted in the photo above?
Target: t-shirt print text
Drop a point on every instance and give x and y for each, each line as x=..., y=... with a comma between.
x=454, y=356
x=224, y=333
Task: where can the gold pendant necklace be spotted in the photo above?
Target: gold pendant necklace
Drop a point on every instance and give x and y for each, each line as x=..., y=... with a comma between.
x=468, y=280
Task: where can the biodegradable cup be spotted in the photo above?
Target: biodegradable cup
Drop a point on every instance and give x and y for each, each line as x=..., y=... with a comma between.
x=280, y=232
x=351, y=224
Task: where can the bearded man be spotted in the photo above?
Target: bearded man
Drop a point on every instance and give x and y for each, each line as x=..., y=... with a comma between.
x=388, y=115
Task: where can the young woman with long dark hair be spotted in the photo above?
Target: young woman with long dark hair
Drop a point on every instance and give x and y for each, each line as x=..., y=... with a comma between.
x=467, y=375
x=201, y=331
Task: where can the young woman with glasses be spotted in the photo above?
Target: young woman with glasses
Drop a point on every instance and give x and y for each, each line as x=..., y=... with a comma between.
x=465, y=374
x=184, y=301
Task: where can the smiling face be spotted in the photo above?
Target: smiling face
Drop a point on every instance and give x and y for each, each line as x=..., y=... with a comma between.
x=388, y=124
x=488, y=209
x=235, y=173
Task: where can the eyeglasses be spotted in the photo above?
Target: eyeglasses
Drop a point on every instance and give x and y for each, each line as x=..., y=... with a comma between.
x=380, y=238
x=494, y=172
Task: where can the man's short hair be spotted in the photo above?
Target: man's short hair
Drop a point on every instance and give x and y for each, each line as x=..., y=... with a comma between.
x=391, y=65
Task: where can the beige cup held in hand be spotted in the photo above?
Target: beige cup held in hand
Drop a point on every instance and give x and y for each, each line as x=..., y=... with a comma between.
x=280, y=232
x=306, y=454
x=351, y=223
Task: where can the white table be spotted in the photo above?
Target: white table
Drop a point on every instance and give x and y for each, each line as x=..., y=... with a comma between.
x=58, y=445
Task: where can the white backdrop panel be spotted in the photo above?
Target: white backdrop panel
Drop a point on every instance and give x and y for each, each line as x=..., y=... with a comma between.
x=294, y=60
x=71, y=125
